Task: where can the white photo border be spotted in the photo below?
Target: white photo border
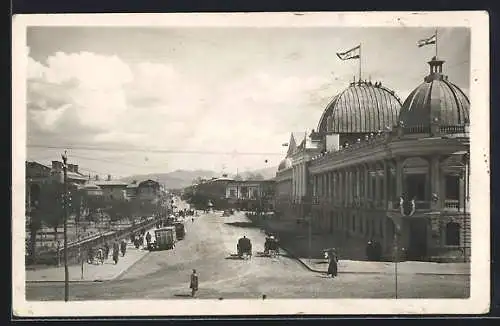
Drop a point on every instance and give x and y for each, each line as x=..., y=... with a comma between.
x=479, y=301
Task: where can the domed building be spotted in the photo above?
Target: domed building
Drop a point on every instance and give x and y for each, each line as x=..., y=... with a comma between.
x=436, y=102
x=389, y=172
x=362, y=108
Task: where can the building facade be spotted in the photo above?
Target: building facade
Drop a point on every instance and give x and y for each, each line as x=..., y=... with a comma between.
x=113, y=189
x=251, y=195
x=396, y=172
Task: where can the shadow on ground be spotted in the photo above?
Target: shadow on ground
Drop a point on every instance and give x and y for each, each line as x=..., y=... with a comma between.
x=243, y=224
x=182, y=295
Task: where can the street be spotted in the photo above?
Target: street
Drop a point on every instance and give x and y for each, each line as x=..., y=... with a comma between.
x=208, y=247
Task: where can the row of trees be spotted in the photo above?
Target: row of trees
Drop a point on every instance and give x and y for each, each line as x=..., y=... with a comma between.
x=48, y=209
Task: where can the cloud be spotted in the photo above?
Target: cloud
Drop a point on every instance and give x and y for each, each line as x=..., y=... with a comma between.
x=94, y=99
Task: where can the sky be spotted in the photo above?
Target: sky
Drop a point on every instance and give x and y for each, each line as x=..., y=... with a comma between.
x=149, y=100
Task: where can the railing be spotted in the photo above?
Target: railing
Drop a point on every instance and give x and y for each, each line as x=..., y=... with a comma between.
x=451, y=204
x=417, y=130
x=452, y=129
x=75, y=248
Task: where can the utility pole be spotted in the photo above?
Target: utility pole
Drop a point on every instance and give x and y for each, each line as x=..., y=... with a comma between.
x=66, y=274
x=396, y=259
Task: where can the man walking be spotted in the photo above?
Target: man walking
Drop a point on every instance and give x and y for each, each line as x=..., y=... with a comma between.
x=148, y=240
x=116, y=250
x=194, y=283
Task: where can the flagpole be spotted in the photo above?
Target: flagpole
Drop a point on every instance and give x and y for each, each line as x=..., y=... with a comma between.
x=436, y=43
x=360, y=62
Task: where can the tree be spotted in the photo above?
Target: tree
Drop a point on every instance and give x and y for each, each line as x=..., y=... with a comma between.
x=118, y=209
x=50, y=209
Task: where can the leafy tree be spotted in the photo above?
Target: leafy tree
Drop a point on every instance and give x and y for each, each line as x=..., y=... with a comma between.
x=50, y=208
x=118, y=209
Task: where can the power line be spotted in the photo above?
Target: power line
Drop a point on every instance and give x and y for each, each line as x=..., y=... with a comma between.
x=164, y=151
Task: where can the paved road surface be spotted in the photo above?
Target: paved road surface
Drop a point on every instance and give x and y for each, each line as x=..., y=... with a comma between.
x=210, y=241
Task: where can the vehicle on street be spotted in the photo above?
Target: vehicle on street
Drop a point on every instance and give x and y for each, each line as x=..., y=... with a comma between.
x=180, y=230
x=165, y=238
x=271, y=246
x=244, y=248
x=226, y=213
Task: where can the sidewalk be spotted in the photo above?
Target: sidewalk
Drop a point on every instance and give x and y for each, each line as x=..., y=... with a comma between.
x=295, y=242
x=91, y=273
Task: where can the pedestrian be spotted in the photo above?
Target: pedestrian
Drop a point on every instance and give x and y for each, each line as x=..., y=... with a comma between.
x=123, y=247
x=148, y=240
x=192, y=220
x=194, y=283
x=116, y=249
x=332, y=264
x=106, y=251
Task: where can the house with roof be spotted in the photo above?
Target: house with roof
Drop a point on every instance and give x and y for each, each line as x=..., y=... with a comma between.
x=112, y=189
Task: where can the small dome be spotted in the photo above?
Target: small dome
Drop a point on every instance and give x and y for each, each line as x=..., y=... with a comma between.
x=435, y=100
x=363, y=107
x=285, y=164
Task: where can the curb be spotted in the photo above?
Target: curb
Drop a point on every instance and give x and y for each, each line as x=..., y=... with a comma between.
x=117, y=277
x=303, y=263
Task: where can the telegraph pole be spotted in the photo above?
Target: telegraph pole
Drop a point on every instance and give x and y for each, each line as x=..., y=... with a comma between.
x=66, y=274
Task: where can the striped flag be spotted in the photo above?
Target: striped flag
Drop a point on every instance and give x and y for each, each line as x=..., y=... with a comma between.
x=427, y=41
x=350, y=54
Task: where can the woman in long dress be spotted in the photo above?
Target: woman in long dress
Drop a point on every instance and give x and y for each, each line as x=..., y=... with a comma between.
x=332, y=264
x=193, y=285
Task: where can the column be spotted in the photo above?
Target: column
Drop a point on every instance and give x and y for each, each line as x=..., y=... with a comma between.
x=386, y=181
x=399, y=176
x=341, y=187
x=435, y=181
x=367, y=183
x=377, y=185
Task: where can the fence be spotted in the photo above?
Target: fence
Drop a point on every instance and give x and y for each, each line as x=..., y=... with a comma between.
x=77, y=248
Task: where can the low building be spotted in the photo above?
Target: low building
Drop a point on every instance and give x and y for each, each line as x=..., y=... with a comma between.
x=251, y=194
x=148, y=190
x=113, y=189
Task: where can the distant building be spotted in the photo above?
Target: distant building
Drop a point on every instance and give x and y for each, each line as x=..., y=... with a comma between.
x=113, y=189
x=250, y=195
x=148, y=190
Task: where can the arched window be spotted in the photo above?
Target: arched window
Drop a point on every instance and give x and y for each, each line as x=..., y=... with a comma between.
x=452, y=234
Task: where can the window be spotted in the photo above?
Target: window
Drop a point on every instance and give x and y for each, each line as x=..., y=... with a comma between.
x=232, y=193
x=452, y=234
x=452, y=187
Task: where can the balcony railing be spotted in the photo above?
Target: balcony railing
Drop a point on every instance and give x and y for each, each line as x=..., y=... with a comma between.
x=451, y=204
x=452, y=129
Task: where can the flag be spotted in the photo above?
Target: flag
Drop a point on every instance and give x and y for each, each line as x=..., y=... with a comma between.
x=350, y=54
x=427, y=41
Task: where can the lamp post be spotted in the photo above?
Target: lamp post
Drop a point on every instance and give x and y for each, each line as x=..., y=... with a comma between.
x=66, y=203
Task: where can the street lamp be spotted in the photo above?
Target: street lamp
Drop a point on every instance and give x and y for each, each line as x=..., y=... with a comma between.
x=66, y=203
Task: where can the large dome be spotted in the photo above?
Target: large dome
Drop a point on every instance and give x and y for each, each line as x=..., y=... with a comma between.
x=285, y=164
x=363, y=107
x=435, y=100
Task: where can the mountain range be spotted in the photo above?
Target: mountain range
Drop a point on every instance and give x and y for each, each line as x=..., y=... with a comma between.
x=182, y=178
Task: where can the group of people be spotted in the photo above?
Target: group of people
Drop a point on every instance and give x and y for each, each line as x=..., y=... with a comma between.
x=138, y=238
x=102, y=254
